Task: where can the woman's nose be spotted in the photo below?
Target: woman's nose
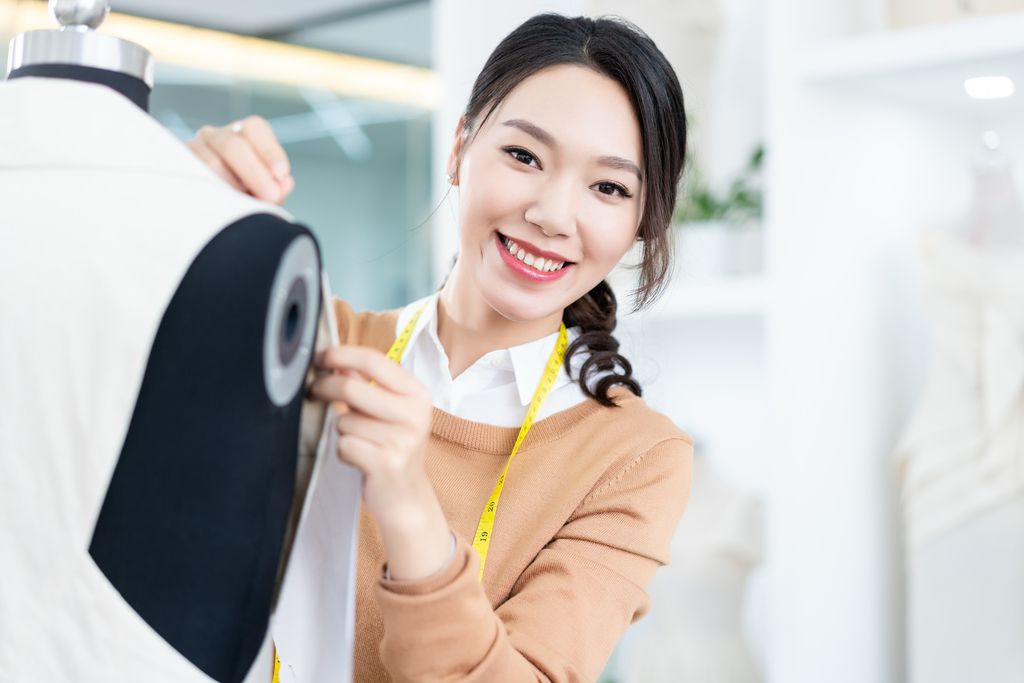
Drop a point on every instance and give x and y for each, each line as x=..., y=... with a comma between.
x=554, y=210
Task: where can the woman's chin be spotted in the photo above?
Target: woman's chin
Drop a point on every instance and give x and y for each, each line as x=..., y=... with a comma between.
x=525, y=308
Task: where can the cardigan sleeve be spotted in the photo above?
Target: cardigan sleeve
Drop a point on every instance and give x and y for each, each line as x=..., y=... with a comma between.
x=365, y=328
x=570, y=606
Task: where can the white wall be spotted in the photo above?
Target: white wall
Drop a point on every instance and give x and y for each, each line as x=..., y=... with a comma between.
x=852, y=180
x=736, y=104
x=817, y=19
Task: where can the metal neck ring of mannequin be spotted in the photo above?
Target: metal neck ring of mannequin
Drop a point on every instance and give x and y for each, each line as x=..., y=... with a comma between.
x=76, y=51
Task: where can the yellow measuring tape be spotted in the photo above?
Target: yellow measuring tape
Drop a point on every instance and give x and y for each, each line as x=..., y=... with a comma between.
x=398, y=348
x=485, y=528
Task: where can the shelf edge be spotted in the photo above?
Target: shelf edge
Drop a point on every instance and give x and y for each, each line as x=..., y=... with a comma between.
x=912, y=48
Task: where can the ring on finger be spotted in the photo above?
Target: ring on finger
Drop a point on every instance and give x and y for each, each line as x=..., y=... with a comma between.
x=236, y=127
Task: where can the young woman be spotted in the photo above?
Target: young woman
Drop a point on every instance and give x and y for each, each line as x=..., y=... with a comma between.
x=570, y=150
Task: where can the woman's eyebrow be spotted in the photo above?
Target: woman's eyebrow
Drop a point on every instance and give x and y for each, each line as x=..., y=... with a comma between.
x=622, y=165
x=532, y=130
x=548, y=139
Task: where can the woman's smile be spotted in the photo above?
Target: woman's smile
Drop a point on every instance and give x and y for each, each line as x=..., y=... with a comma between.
x=530, y=262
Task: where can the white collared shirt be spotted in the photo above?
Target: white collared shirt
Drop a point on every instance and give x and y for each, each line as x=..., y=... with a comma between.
x=498, y=388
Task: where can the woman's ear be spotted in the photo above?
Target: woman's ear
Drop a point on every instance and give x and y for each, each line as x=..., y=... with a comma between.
x=455, y=156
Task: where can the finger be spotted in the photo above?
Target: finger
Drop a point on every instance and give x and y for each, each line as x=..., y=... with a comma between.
x=368, y=428
x=238, y=154
x=326, y=388
x=259, y=133
x=362, y=397
x=357, y=451
x=372, y=364
x=210, y=158
x=287, y=185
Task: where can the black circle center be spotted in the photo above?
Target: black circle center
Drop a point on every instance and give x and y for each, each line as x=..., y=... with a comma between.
x=292, y=323
x=293, y=319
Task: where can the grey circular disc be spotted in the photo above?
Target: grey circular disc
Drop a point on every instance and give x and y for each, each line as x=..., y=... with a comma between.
x=291, y=320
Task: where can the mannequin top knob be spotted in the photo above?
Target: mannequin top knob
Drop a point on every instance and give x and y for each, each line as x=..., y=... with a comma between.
x=79, y=13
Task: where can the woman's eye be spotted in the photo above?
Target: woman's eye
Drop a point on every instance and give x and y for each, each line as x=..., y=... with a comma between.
x=521, y=155
x=613, y=189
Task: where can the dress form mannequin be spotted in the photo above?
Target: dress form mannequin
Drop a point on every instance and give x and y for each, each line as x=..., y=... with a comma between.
x=694, y=633
x=962, y=456
x=77, y=52
x=996, y=216
x=157, y=328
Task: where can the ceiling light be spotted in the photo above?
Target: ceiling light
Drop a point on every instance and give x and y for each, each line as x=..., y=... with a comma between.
x=989, y=87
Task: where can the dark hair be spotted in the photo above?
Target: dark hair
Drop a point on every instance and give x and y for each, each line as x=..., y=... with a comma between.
x=621, y=51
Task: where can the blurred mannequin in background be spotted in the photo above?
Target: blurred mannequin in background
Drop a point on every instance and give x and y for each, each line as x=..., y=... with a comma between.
x=996, y=216
x=961, y=459
x=694, y=632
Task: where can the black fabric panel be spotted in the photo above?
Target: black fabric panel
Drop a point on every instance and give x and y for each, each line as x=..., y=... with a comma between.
x=129, y=86
x=191, y=529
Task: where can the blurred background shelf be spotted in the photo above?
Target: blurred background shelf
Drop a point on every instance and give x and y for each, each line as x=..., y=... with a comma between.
x=924, y=67
x=911, y=49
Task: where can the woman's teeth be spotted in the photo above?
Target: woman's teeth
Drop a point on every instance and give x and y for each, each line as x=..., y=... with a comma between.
x=536, y=262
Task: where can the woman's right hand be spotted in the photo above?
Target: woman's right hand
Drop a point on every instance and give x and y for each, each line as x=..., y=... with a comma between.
x=384, y=433
x=247, y=155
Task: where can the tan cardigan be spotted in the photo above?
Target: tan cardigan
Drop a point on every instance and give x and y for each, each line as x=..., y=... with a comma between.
x=585, y=517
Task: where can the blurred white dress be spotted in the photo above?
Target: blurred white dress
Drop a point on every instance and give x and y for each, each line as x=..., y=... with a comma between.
x=963, y=452
x=961, y=459
x=694, y=631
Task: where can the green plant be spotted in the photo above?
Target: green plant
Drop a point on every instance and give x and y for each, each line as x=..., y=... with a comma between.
x=740, y=203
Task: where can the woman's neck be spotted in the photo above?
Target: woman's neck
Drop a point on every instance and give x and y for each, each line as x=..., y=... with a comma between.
x=468, y=328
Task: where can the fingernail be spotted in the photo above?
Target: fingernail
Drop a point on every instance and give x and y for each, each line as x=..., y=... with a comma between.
x=271, y=194
x=279, y=169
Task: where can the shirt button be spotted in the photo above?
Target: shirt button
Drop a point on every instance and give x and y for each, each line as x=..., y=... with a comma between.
x=448, y=396
x=497, y=362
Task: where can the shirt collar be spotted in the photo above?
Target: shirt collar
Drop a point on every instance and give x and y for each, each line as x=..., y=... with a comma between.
x=529, y=360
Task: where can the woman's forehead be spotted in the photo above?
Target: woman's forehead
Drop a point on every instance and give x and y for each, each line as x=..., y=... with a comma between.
x=578, y=108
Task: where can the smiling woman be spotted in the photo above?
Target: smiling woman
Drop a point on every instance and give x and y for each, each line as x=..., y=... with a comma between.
x=512, y=420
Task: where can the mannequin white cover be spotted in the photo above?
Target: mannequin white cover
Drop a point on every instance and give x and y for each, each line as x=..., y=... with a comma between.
x=963, y=452
x=962, y=466
x=102, y=211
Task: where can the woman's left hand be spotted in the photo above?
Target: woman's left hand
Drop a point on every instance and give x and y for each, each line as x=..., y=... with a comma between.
x=384, y=434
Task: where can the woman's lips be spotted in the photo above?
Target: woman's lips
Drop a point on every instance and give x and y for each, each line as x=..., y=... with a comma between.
x=519, y=267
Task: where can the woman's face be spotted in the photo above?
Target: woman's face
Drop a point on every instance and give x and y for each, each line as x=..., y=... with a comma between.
x=550, y=192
